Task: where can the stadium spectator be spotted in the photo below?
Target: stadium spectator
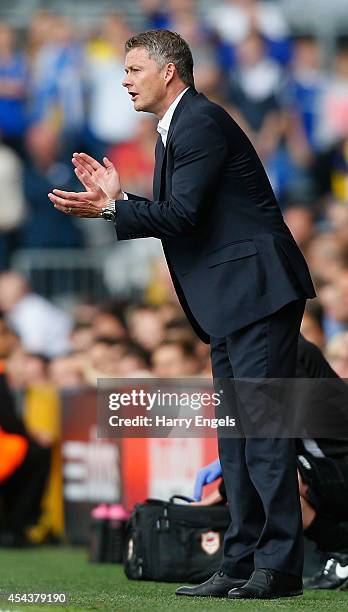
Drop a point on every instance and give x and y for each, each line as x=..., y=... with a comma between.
x=300, y=220
x=145, y=326
x=233, y=20
x=333, y=120
x=57, y=72
x=101, y=360
x=330, y=172
x=306, y=85
x=67, y=372
x=81, y=337
x=133, y=361
x=9, y=341
x=44, y=167
x=12, y=203
x=35, y=370
x=27, y=458
x=254, y=85
x=110, y=119
x=41, y=326
x=337, y=354
x=326, y=256
x=14, y=89
x=107, y=324
x=175, y=359
x=334, y=298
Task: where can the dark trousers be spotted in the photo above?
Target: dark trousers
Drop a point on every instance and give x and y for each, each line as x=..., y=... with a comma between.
x=260, y=473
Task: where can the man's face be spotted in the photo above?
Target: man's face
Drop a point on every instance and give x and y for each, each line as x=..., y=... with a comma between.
x=145, y=81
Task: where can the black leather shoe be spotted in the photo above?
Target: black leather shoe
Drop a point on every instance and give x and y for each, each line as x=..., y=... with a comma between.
x=268, y=584
x=332, y=575
x=217, y=586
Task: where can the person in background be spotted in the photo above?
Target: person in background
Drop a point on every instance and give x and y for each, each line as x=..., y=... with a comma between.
x=337, y=354
x=254, y=86
x=145, y=326
x=45, y=166
x=25, y=465
x=175, y=359
x=109, y=117
x=306, y=85
x=333, y=111
x=300, y=221
x=41, y=326
x=108, y=323
x=232, y=20
x=14, y=90
x=56, y=93
x=13, y=207
x=66, y=372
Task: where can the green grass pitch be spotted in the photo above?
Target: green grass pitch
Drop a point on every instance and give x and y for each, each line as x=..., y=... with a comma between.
x=104, y=587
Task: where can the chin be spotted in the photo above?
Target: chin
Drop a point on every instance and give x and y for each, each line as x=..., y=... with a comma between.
x=140, y=106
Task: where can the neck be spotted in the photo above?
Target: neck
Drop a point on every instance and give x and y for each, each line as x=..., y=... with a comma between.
x=170, y=99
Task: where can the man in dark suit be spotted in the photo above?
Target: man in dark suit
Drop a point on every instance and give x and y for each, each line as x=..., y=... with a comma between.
x=240, y=278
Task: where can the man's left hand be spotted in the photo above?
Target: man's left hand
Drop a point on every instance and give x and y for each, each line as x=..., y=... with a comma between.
x=79, y=204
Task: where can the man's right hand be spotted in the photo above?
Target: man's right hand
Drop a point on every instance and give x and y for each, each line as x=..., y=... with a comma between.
x=98, y=177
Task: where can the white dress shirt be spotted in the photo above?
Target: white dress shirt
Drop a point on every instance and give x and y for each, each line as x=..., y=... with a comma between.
x=164, y=124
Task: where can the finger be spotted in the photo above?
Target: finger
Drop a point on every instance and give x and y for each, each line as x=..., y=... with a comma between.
x=108, y=163
x=84, y=178
x=80, y=163
x=66, y=204
x=65, y=210
x=90, y=160
x=74, y=195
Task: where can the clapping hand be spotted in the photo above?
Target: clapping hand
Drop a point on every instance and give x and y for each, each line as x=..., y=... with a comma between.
x=102, y=184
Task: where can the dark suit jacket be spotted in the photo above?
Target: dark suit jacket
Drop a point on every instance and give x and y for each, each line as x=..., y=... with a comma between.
x=232, y=259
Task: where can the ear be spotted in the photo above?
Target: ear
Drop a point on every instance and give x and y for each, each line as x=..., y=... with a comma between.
x=169, y=72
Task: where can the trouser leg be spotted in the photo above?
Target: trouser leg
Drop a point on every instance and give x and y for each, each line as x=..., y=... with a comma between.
x=260, y=473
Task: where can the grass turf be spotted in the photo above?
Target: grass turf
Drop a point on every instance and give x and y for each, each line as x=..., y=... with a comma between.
x=104, y=587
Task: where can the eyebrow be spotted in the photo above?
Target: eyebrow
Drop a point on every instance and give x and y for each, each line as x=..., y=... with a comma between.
x=132, y=66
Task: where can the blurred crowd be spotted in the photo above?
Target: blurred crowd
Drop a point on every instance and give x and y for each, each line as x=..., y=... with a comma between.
x=60, y=91
x=43, y=345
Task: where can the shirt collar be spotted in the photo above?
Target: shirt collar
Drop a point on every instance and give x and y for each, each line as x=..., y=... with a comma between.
x=164, y=124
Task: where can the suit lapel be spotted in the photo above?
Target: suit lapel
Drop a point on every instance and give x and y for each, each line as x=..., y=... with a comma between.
x=161, y=152
x=188, y=95
x=159, y=159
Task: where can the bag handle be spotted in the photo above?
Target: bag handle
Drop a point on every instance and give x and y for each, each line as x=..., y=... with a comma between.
x=182, y=497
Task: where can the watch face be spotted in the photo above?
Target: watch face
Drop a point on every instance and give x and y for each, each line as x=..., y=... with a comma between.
x=108, y=215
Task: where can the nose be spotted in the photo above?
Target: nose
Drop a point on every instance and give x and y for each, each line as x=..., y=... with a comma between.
x=126, y=81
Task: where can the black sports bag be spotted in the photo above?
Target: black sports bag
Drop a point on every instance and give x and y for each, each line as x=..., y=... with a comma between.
x=171, y=542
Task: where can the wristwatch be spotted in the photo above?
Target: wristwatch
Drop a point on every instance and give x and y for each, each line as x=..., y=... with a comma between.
x=109, y=211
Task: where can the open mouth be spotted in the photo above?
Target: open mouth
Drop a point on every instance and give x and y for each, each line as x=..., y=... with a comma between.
x=133, y=95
